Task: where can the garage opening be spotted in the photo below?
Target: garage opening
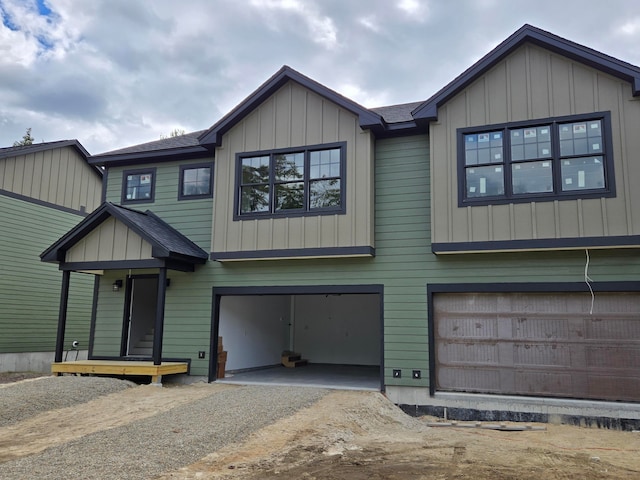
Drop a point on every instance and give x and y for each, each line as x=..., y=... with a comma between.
x=335, y=332
x=538, y=344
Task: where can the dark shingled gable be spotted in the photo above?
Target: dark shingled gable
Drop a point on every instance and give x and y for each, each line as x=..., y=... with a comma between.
x=167, y=242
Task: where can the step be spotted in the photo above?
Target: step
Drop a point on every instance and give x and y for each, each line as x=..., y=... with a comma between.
x=141, y=351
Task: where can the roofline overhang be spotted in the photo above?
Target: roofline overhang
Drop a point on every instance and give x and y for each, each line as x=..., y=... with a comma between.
x=213, y=137
x=151, y=156
x=428, y=111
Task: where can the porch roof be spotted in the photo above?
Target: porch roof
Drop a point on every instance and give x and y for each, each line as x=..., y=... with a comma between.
x=169, y=247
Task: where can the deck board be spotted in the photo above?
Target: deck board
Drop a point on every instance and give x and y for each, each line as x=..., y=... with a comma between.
x=120, y=367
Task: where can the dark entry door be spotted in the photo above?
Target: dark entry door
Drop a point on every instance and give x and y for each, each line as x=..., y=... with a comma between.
x=142, y=301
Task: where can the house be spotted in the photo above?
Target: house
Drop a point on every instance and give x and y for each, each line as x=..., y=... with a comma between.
x=45, y=189
x=479, y=245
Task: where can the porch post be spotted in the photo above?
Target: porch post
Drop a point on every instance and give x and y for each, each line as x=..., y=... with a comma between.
x=158, y=329
x=62, y=314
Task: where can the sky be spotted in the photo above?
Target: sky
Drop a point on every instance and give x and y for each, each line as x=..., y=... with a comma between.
x=115, y=73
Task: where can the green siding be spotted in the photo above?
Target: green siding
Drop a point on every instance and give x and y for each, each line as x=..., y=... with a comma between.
x=191, y=217
x=403, y=263
x=30, y=289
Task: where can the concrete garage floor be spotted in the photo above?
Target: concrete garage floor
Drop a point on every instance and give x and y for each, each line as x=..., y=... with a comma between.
x=342, y=377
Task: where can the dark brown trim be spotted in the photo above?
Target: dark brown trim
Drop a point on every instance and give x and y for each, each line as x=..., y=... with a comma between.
x=608, y=190
x=428, y=111
x=159, y=323
x=94, y=314
x=138, y=171
x=364, y=251
x=181, y=196
x=629, y=241
x=62, y=315
x=305, y=211
x=112, y=265
x=42, y=203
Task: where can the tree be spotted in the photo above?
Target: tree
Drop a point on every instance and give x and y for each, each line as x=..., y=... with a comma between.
x=176, y=132
x=27, y=139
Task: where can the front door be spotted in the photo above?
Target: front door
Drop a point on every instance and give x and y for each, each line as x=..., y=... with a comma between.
x=143, y=297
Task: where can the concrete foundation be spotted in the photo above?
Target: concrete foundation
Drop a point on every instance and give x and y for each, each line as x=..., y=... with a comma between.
x=477, y=407
x=35, y=361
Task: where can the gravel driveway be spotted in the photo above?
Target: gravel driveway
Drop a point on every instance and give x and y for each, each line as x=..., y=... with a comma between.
x=144, y=448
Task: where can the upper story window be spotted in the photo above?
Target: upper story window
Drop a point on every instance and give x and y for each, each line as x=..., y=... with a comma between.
x=293, y=181
x=558, y=158
x=138, y=185
x=195, y=181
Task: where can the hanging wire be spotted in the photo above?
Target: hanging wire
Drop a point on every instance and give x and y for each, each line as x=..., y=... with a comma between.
x=588, y=279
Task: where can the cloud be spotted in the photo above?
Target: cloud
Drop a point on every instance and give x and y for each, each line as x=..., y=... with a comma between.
x=416, y=10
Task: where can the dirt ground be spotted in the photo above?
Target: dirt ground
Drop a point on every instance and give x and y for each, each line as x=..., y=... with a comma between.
x=351, y=435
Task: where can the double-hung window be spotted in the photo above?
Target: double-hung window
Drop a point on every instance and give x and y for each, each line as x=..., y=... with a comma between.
x=293, y=181
x=138, y=185
x=549, y=159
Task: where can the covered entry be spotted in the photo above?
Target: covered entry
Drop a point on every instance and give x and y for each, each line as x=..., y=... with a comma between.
x=338, y=326
x=114, y=238
x=538, y=344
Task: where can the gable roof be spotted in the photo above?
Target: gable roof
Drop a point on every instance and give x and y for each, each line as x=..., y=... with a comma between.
x=167, y=243
x=213, y=136
x=8, y=152
x=428, y=110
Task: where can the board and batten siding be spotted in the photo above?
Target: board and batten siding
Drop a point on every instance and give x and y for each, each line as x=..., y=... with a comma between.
x=29, y=288
x=534, y=83
x=296, y=117
x=59, y=176
x=190, y=217
x=112, y=240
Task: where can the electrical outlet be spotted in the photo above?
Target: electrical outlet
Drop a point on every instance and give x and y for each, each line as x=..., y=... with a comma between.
x=417, y=375
x=201, y=354
x=397, y=373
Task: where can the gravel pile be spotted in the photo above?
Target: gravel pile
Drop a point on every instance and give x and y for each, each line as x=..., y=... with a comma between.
x=25, y=399
x=166, y=441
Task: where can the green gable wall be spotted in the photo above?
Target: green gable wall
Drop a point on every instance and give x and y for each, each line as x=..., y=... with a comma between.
x=30, y=289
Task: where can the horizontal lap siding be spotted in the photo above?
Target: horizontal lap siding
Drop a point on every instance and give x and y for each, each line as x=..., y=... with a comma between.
x=30, y=289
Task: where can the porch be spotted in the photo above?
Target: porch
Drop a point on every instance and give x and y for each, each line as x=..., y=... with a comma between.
x=121, y=367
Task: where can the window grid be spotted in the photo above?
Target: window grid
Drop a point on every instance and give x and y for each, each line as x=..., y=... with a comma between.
x=307, y=180
x=549, y=158
x=195, y=181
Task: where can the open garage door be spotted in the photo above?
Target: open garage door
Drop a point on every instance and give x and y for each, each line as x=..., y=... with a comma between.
x=333, y=329
x=538, y=344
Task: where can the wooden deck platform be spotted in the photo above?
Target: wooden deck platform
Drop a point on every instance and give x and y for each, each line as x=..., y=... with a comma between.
x=120, y=367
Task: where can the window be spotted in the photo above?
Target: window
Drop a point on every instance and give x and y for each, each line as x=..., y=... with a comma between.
x=195, y=181
x=138, y=185
x=561, y=158
x=301, y=181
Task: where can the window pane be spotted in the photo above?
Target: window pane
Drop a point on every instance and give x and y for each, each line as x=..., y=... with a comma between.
x=532, y=177
x=484, y=181
x=324, y=163
x=324, y=193
x=289, y=196
x=581, y=138
x=582, y=174
x=196, y=181
x=255, y=170
x=531, y=143
x=289, y=166
x=483, y=148
x=139, y=186
x=254, y=199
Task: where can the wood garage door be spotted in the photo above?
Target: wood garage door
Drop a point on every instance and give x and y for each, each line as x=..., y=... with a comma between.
x=539, y=344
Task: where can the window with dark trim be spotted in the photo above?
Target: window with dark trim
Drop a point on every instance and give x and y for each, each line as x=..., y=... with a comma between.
x=292, y=181
x=195, y=181
x=138, y=186
x=547, y=159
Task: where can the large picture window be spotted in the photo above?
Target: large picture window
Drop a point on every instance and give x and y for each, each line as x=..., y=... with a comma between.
x=567, y=157
x=296, y=181
x=138, y=185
